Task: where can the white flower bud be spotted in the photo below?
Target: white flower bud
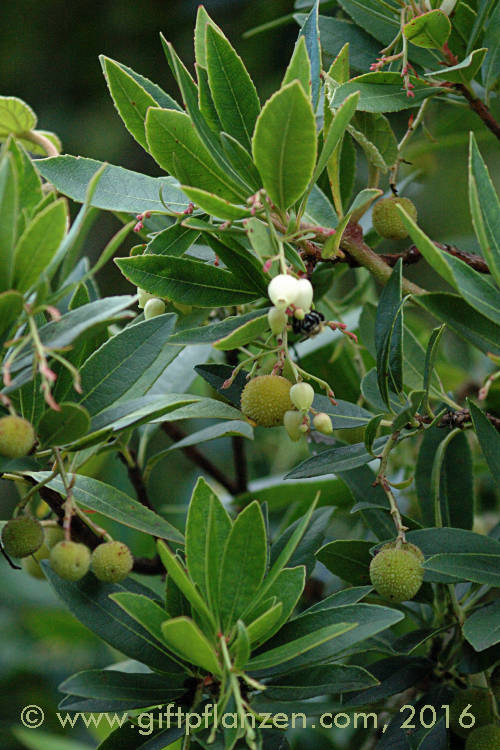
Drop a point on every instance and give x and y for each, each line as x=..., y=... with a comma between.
x=143, y=297
x=302, y=396
x=154, y=307
x=304, y=296
x=322, y=423
x=282, y=290
x=277, y=319
x=292, y=421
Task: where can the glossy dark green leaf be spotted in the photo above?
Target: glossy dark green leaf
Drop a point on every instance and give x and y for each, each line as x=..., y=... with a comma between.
x=186, y=280
x=347, y=559
x=233, y=92
x=186, y=640
x=137, y=689
x=322, y=680
x=241, y=261
x=302, y=539
x=334, y=460
x=9, y=207
x=115, y=504
x=383, y=92
x=310, y=32
x=463, y=320
x=430, y=29
x=372, y=131
x=173, y=240
x=389, y=336
x=215, y=206
x=484, y=569
x=178, y=149
x=243, y=564
x=284, y=144
x=485, y=208
x=89, y=602
x=119, y=189
x=64, y=426
x=489, y=439
x=395, y=674
x=38, y=244
x=464, y=71
x=336, y=32
x=482, y=628
x=299, y=67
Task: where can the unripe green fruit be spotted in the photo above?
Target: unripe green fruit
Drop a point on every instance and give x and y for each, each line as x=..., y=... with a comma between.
x=396, y=573
x=477, y=703
x=31, y=563
x=70, y=560
x=302, y=396
x=153, y=308
x=265, y=399
x=111, y=562
x=322, y=423
x=484, y=738
x=17, y=437
x=143, y=297
x=53, y=535
x=292, y=421
x=386, y=219
x=22, y=536
x=277, y=319
x=408, y=546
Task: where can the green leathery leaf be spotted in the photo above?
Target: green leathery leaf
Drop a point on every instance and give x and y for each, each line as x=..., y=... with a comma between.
x=143, y=610
x=147, y=687
x=310, y=32
x=299, y=67
x=489, y=439
x=383, y=92
x=462, y=72
x=218, y=331
x=39, y=243
x=9, y=206
x=389, y=335
x=241, y=646
x=375, y=136
x=334, y=460
x=284, y=144
x=115, y=504
x=349, y=559
x=131, y=100
x=243, y=564
x=200, y=33
x=240, y=261
x=16, y=117
x=63, y=426
x=185, y=280
x=11, y=306
x=207, y=528
x=119, y=189
x=263, y=624
x=182, y=581
x=215, y=206
x=171, y=137
x=244, y=334
x=485, y=208
x=174, y=240
x=233, y=92
x=482, y=628
x=335, y=132
x=430, y=30
x=478, y=568
x=186, y=640
x=321, y=680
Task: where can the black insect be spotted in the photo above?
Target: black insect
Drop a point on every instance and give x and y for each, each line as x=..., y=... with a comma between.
x=310, y=325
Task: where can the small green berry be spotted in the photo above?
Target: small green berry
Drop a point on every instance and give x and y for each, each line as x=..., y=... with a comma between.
x=277, y=319
x=476, y=702
x=293, y=421
x=265, y=399
x=31, y=564
x=70, y=560
x=302, y=396
x=111, y=562
x=386, y=219
x=22, y=536
x=153, y=308
x=53, y=535
x=396, y=573
x=484, y=738
x=17, y=437
x=143, y=297
x=322, y=423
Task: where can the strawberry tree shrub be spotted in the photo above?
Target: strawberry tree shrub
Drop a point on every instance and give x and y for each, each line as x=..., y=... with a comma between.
x=358, y=568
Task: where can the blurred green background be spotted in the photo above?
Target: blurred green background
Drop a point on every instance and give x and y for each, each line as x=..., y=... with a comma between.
x=49, y=52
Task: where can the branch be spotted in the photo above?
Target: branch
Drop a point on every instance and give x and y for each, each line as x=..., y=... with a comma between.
x=460, y=419
x=480, y=109
x=413, y=255
x=137, y=480
x=195, y=455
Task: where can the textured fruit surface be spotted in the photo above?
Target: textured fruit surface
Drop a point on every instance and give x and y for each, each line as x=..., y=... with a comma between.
x=408, y=546
x=111, y=562
x=480, y=709
x=396, y=574
x=22, y=536
x=17, y=437
x=484, y=738
x=386, y=219
x=70, y=560
x=31, y=563
x=265, y=399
